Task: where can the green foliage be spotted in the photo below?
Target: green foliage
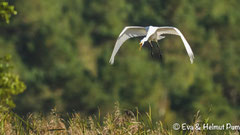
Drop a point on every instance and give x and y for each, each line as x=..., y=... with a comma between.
x=6, y=11
x=61, y=50
x=10, y=85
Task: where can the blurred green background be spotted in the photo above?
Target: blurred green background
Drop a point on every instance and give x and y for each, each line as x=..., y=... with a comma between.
x=61, y=49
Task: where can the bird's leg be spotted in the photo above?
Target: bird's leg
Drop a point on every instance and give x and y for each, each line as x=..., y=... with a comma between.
x=151, y=46
x=160, y=55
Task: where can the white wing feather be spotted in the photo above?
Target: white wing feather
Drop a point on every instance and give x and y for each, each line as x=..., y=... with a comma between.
x=175, y=31
x=128, y=32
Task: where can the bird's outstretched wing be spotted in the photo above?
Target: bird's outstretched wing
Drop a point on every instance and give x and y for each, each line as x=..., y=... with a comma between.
x=175, y=31
x=128, y=32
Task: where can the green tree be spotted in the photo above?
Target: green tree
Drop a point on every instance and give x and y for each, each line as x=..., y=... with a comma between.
x=6, y=11
x=10, y=85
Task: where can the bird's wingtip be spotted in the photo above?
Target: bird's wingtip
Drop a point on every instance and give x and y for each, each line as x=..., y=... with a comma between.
x=111, y=61
x=192, y=58
x=191, y=61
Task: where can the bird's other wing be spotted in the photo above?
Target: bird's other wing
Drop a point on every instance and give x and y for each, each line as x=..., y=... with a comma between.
x=175, y=31
x=128, y=32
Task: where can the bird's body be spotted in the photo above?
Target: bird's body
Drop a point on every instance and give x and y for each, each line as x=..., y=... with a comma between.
x=151, y=33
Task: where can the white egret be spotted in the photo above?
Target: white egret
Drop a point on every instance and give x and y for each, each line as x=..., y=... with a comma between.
x=151, y=33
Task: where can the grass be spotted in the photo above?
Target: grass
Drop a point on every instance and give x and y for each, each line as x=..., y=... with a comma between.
x=115, y=123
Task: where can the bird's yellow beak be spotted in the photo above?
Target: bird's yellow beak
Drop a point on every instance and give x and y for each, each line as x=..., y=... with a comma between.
x=140, y=46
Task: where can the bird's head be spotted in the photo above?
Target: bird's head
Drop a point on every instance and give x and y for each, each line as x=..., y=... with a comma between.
x=142, y=43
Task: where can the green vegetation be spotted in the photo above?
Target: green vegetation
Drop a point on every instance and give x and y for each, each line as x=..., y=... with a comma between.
x=10, y=84
x=116, y=122
x=61, y=49
x=6, y=11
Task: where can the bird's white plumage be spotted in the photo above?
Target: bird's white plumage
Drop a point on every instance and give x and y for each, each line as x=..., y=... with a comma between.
x=128, y=32
x=152, y=34
x=175, y=31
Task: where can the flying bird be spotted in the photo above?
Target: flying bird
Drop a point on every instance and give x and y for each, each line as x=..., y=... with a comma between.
x=150, y=34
